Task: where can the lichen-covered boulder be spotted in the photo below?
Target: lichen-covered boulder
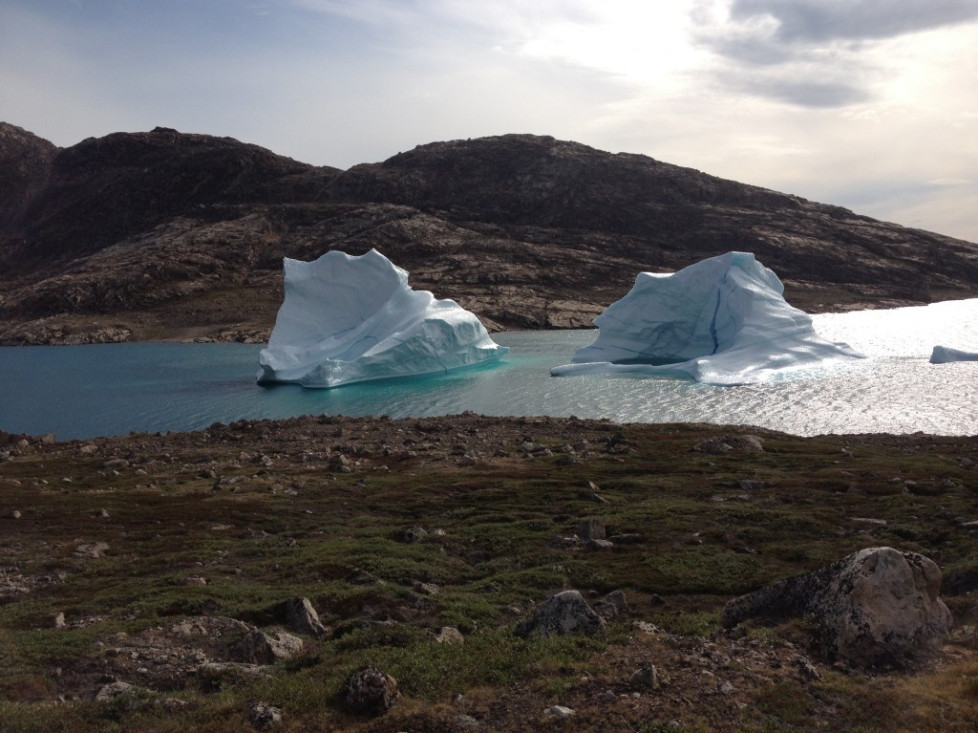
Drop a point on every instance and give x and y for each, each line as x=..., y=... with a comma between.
x=876, y=607
x=371, y=691
x=564, y=613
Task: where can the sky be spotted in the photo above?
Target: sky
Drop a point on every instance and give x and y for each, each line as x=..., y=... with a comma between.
x=867, y=104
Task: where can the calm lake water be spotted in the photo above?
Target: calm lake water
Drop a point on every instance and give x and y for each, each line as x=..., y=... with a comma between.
x=86, y=391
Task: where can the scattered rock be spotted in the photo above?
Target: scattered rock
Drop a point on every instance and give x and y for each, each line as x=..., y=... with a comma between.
x=626, y=538
x=559, y=711
x=646, y=627
x=112, y=690
x=746, y=443
x=876, y=607
x=593, y=496
x=172, y=705
x=808, y=670
x=264, y=717
x=425, y=589
x=726, y=443
x=302, y=617
x=591, y=529
x=612, y=605
x=870, y=521
x=713, y=446
x=92, y=550
x=257, y=647
x=362, y=577
x=646, y=676
x=564, y=613
x=465, y=724
x=449, y=635
x=371, y=690
x=414, y=534
x=239, y=669
x=339, y=463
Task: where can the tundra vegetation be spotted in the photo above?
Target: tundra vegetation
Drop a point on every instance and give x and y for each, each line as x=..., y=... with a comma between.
x=143, y=578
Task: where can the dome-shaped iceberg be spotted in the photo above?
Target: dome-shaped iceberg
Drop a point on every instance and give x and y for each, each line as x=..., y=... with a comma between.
x=721, y=321
x=347, y=319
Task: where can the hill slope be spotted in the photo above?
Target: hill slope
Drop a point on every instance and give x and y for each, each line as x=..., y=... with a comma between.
x=168, y=235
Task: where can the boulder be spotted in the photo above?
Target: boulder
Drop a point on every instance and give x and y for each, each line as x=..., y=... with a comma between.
x=591, y=529
x=257, y=647
x=413, y=534
x=612, y=605
x=449, y=635
x=371, y=690
x=564, y=613
x=264, y=717
x=727, y=443
x=91, y=550
x=112, y=690
x=876, y=607
x=302, y=617
x=646, y=676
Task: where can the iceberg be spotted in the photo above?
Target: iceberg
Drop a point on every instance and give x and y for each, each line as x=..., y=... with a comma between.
x=347, y=319
x=945, y=355
x=721, y=321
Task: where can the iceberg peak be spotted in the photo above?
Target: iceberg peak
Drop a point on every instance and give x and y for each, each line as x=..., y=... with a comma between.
x=348, y=318
x=723, y=320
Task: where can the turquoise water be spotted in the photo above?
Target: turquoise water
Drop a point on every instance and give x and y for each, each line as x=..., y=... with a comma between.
x=86, y=391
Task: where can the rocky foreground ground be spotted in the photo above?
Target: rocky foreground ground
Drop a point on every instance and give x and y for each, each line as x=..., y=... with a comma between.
x=282, y=576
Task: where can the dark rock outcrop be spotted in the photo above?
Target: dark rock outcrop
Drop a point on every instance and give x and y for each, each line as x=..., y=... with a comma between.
x=876, y=607
x=170, y=235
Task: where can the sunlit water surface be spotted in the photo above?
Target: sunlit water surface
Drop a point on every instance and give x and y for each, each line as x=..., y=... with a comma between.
x=85, y=391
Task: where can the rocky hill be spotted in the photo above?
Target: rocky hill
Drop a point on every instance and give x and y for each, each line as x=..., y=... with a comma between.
x=164, y=235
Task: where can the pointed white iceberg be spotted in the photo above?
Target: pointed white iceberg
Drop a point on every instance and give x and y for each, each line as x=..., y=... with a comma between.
x=720, y=321
x=349, y=319
x=946, y=355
